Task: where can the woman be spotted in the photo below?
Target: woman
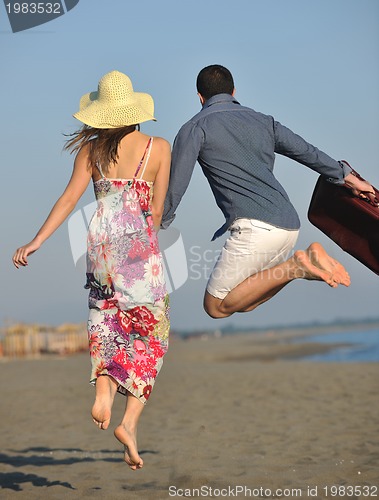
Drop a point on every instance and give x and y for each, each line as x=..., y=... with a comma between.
x=128, y=322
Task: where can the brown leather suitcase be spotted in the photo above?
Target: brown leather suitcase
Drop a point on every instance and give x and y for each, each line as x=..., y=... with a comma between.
x=350, y=221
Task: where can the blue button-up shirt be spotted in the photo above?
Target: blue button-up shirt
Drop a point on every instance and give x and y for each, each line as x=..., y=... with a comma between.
x=236, y=147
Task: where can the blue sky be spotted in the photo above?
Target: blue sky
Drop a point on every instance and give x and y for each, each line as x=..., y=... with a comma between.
x=314, y=66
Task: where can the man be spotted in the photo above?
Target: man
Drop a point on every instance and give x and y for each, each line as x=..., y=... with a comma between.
x=236, y=147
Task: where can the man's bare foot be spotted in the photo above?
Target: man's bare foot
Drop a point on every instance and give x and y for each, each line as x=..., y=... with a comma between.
x=106, y=388
x=319, y=258
x=129, y=440
x=306, y=270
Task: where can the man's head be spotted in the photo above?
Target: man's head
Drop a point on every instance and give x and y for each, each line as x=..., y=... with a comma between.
x=213, y=80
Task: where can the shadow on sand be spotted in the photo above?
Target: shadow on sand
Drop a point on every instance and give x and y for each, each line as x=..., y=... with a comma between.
x=14, y=480
x=43, y=456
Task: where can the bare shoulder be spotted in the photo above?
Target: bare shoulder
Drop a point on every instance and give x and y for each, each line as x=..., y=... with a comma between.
x=83, y=153
x=161, y=144
x=82, y=158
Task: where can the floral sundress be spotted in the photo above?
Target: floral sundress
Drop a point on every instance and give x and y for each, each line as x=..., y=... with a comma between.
x=128, y=323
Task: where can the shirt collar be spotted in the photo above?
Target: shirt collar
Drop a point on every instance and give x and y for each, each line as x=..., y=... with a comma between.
x=219, y=98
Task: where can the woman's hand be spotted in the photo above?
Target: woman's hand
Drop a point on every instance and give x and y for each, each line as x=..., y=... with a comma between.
x=20, y=258
x=361, y=188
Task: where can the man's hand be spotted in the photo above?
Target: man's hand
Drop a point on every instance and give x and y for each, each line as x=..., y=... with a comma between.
x=361, y=188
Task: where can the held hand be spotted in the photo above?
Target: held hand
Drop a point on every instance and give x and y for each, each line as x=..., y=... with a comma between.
x=20, y=258
x=361, y=188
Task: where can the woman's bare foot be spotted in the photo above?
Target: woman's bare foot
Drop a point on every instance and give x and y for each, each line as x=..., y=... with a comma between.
x=106, y=388
x=319, y=258
x=129, y=439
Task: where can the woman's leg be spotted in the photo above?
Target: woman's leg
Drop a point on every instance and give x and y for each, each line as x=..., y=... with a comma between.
x=106, y=388
x=126, y=432
x=311, y=264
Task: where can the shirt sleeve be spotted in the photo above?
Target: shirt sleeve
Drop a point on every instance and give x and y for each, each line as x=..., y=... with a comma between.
x=185, y=152
x=293, y=146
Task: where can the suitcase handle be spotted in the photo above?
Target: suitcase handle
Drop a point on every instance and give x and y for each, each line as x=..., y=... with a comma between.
x=368, y=196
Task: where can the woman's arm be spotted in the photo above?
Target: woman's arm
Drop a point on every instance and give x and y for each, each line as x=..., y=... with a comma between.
x=76, y=186
x=161, y=182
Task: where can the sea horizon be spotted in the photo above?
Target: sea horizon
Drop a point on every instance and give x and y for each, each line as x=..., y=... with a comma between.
x=338, y=341
x=355, y=346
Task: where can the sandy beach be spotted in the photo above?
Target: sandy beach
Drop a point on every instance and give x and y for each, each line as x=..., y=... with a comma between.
x=232, y=416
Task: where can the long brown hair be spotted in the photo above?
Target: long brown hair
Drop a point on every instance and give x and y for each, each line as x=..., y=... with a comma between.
x=103, y=143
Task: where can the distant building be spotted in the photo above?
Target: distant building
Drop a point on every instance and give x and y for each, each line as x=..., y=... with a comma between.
x=23, y=340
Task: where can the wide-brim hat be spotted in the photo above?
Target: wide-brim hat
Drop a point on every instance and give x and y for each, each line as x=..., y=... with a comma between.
x=115, y=104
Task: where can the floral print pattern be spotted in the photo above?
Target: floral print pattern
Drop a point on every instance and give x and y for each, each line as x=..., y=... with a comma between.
x=128, y=323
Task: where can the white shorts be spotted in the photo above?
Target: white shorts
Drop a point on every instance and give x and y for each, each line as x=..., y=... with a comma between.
x=252, y=246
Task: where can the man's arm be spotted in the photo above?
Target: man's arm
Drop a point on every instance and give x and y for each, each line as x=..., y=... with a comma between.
x=338, y=172
x=185, y=152
x=293, y=146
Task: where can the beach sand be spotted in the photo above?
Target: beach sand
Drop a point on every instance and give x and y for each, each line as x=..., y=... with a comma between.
x=236, y=411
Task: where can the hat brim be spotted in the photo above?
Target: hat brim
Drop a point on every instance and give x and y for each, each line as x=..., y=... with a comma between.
x=94, y=113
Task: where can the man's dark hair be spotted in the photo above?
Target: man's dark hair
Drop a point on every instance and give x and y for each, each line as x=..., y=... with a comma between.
x=213, y=80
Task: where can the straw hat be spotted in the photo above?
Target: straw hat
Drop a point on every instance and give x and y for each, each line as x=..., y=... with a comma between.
x=115, y=104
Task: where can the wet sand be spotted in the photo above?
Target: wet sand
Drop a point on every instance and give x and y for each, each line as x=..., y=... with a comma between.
x=227, y=413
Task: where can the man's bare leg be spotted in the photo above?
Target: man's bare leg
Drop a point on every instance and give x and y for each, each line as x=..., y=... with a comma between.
x=126, y=432
x=106, y=388
x=311, y=264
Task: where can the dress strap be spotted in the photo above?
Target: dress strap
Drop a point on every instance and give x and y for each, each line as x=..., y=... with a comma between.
x=98, y=166
x=147, y=155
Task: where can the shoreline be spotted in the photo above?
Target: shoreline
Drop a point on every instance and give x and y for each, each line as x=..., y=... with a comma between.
x=295, y=331
x=263, y=345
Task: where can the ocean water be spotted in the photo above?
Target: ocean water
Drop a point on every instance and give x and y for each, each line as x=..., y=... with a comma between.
x=363, y=346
